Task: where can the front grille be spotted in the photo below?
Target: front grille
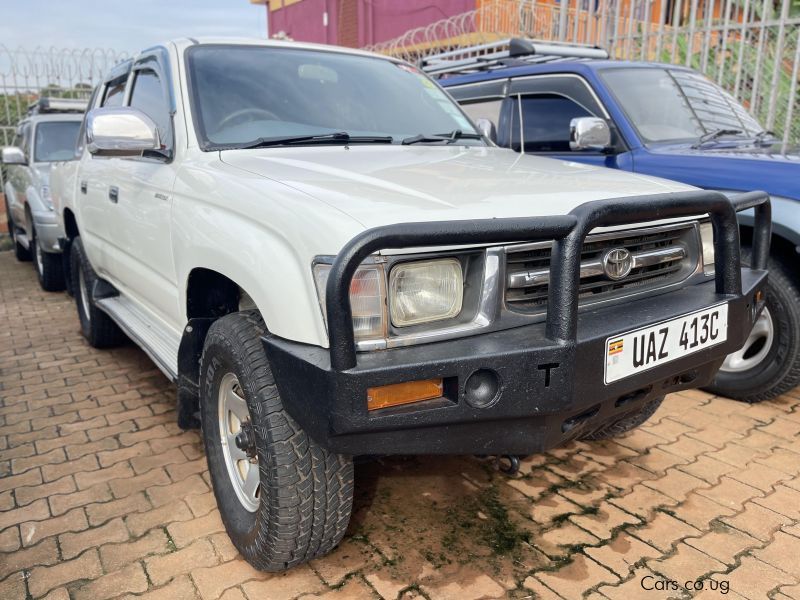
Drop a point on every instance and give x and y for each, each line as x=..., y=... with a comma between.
x=662, y=256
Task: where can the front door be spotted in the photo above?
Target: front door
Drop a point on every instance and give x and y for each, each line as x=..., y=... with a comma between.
x=141, y=255
x=541, y=109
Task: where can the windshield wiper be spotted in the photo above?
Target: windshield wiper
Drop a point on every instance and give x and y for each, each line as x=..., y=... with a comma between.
x=322, y=138
x=764, y=138
x=716, y=134
x=448, y=138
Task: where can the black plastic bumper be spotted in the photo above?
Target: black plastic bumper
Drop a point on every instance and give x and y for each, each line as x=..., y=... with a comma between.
x=551, y=374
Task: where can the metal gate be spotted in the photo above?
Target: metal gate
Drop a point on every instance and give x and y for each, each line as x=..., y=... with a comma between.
x=27, y=75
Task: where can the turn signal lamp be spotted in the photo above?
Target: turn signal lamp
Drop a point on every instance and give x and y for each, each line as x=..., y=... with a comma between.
x=397, y=394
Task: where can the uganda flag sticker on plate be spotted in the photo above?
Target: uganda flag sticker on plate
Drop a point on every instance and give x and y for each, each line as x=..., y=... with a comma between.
x=615, y=346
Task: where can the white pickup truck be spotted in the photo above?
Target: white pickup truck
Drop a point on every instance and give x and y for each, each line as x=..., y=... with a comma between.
x=329, y=259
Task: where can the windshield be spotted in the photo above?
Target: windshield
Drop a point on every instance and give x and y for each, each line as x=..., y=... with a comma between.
x=242, y=94
x=675, y=105
x=55, y=140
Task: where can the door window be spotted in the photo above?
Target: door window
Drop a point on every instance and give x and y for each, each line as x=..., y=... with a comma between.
x=148, y=96
x=115, y=92
x=545, y=122
x=483, y=109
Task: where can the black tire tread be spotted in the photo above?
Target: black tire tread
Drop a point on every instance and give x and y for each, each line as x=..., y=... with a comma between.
x=101, y=331
x=51, y=277
x=626, y=423
x=307, y=491
x=779, y=275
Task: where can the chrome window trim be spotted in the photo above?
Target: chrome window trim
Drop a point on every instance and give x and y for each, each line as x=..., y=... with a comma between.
x=583, y=80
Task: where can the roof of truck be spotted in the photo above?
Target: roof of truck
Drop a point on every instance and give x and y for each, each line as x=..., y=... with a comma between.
x=184, y=43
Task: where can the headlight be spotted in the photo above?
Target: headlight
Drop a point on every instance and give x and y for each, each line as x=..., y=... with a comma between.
x=367, y=299
x=707, y=241
x=425, y=291
x=44, y=194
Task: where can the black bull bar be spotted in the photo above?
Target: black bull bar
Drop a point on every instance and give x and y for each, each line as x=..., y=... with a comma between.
x=568, y=233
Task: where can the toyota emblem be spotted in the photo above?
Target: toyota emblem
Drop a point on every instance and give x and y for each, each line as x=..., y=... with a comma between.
x=617, y=263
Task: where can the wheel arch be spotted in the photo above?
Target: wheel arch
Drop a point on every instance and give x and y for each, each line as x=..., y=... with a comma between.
x=210, y=295
x=70, y=224
x=785, y=242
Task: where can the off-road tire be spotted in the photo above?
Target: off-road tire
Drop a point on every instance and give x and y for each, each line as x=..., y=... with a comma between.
x=306, y=492
x=626, y=423
x=779, y=371
x=96, y=326
x=51, y=272
x=21, y=253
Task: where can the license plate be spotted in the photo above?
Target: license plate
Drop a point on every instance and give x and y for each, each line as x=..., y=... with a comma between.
x=649, y=347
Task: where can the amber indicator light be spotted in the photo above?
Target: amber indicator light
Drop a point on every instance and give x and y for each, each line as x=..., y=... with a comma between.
x=403, y=393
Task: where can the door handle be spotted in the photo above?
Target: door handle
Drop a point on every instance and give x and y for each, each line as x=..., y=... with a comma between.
x=84, y=187
x=113, y=194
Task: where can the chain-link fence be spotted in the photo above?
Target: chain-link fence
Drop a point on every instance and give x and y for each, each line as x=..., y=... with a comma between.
x=27, y=75
x=749, y=47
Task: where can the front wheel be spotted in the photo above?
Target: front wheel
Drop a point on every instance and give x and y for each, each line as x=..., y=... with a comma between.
x=49, y=267
x=768, y=364
x=283, y=498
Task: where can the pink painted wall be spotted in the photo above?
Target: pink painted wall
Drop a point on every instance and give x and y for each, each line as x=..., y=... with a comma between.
x=378, y=20
x=304, y=21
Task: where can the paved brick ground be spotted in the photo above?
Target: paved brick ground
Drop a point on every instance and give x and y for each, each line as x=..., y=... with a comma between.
x=101, y=495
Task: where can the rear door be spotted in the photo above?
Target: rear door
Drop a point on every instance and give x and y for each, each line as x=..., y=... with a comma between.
x=92, y=201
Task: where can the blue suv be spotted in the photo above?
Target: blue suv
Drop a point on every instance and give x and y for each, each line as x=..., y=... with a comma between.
x=572, y=103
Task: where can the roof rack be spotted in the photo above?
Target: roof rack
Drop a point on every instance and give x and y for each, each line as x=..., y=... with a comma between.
x=58, y=105
x=506, y=53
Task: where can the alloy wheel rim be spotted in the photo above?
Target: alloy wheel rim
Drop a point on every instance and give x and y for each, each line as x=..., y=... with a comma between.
x=238, y=442
x=755, y=349
x=84, y=292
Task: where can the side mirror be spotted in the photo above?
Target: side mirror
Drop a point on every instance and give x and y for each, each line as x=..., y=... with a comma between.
x=121, y=131
x=487, y=128
x=589, y=133
x=13, y=156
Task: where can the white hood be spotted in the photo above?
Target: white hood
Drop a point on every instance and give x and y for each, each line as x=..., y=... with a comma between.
x=380, y=185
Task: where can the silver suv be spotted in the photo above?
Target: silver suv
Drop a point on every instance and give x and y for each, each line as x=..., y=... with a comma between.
x=46, y=135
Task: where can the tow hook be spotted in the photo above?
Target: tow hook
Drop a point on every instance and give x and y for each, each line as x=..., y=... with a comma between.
x=508, y=463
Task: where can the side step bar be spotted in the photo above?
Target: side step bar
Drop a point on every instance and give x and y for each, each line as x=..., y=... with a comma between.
x=23, y=240
x=157, y=343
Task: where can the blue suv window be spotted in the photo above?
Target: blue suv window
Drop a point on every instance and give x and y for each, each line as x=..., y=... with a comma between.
x=545, y=122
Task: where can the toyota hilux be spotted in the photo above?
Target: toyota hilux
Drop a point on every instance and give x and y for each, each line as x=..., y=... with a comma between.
x=328, y=259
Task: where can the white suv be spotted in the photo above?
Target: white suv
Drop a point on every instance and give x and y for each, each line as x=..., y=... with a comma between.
x=45, y=136
x=326, y=256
